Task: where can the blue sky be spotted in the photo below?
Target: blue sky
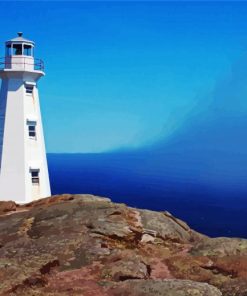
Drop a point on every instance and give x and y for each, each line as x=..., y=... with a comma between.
x=124, y=74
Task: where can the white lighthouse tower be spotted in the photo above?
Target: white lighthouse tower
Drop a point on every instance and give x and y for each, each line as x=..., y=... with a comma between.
x=23, y=165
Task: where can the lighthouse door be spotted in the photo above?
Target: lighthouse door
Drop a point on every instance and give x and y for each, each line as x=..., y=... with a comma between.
x=35, y=184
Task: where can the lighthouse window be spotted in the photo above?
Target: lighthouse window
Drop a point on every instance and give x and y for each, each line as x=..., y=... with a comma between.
x=27, y=50
x=29, y=89
x=17, y=49
x=35, y=176
x=32, y=131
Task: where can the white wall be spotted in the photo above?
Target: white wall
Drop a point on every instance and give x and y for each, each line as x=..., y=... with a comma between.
x=19, y=152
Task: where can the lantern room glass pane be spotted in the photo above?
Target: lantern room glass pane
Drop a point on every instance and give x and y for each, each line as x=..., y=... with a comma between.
x=27, y=50
x=17, y=49
x=8, y=50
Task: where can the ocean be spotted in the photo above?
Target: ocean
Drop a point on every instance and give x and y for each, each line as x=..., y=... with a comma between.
x=212, y=210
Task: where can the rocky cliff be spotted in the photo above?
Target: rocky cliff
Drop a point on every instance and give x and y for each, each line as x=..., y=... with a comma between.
x=90, y=246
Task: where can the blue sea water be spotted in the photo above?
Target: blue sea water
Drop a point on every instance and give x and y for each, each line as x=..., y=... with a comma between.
x=130, y=179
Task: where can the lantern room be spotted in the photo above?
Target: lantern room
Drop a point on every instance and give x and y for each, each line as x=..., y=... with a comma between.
x=19, y=46
x=19, y=55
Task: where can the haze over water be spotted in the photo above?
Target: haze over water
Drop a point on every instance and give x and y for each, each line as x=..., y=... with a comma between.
x=198, y=173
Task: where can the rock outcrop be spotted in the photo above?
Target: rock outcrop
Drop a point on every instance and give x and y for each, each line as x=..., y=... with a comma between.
x=90, y=246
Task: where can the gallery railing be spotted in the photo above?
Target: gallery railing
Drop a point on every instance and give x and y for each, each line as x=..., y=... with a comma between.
x=21, y=63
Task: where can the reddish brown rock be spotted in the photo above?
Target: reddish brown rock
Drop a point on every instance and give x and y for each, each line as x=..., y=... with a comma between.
x=87, y=245
x=164, y=288
x=7, y=206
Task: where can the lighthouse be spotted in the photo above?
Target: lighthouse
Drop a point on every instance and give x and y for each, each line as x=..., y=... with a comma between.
x=23, y=165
